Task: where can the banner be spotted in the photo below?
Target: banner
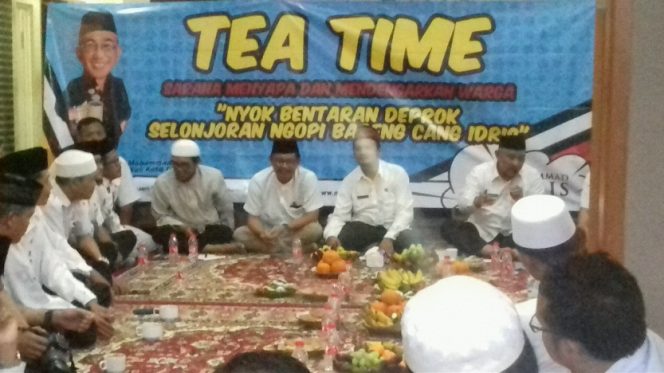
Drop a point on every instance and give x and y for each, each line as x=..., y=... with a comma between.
x=440, y=81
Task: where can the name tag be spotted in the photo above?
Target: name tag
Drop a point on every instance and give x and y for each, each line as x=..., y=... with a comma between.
x=363, y=197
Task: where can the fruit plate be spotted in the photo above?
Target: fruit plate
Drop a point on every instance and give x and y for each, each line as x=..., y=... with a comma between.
x=328, y=276
x=313, y=346
x=272, y=294
x=343, y=363
x=393, y=330
x=311, y=319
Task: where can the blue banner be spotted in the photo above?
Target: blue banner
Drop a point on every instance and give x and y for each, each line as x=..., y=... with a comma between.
x=440, y=80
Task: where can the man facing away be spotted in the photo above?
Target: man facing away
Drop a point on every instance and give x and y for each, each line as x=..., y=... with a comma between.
x=592, y=318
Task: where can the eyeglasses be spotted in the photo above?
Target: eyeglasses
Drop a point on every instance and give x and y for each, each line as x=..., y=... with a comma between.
x=91, y=47
x=537, y=328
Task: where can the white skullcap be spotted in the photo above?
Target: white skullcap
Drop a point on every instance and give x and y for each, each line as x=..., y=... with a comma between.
x=461, y=324
x=74, y=163
x=185, y=148
x=540, y=222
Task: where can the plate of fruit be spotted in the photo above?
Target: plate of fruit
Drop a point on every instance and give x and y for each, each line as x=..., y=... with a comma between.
x=312, y=345
x=374, y=357
x=276, y=289
x=415, y=257
x=400, y=279
x=330, y=264
x=384, y=315
x=312, y=319
x=347, y=255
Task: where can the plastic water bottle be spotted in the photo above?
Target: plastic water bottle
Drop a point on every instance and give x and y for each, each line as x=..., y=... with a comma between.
x=448, y=267
x=298, y=256
x=331, y=348
x=193, y=248
x=173, y=255
x=346, y=280
x=142, y=256
x=300, y=353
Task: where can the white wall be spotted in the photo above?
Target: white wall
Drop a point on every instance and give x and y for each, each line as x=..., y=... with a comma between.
x=644, y=234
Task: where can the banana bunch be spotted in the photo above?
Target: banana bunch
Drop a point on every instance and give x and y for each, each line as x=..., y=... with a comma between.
x=400, y=279
x=375, y=319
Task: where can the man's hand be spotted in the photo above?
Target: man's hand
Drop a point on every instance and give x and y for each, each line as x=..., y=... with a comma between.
x=332, y=242
x=516, y=193
x=32, y=343
x=103, y=319
x=120, y=287
x=8, y=341
x=97, y=279
x=387, y=247
x=76, y=320
x=269, y=237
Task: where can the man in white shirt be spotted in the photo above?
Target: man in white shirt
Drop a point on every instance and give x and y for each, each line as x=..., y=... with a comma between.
x=491, y=190
x=18, y=196
x=109, y=195
x=67, y=211
x=91, y=129
x=191, y=198
x=592, y=318
x=545, y=238
x=121, y=242
x=374, y=204
x=282, y=203
x=33, y=263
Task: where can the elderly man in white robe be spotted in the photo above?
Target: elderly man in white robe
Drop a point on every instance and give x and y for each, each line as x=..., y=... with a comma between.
x=191, y=199
x=282, y=203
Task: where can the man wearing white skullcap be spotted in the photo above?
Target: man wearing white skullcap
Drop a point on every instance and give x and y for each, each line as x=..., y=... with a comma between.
x=462, y=324
x=67, y=209
x=546, y=237
x=191, y=198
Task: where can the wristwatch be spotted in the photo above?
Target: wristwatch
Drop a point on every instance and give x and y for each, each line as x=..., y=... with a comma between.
x=48, y=320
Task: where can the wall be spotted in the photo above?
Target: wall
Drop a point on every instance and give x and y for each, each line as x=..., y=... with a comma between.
x=644, y=234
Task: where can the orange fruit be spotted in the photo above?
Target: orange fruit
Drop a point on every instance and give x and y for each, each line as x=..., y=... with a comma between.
x=338, y=266
x=330, y=256
x=394, y=309
x=379, y=307
x=388, y=355
x=322, y=268
x=391, y=297
x=461, y=268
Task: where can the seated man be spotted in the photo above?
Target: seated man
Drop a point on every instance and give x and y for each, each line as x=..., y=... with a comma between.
x=33, y=263
x=282, y=204
x=491, y=190
x=545, y=238
x=122, y=241
x=592, y=318
x=374, y=204
x=92, y=129
x=109, y=195
x=67, y=210
x=191, y=198
x=18, y=196
x=462, y=324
